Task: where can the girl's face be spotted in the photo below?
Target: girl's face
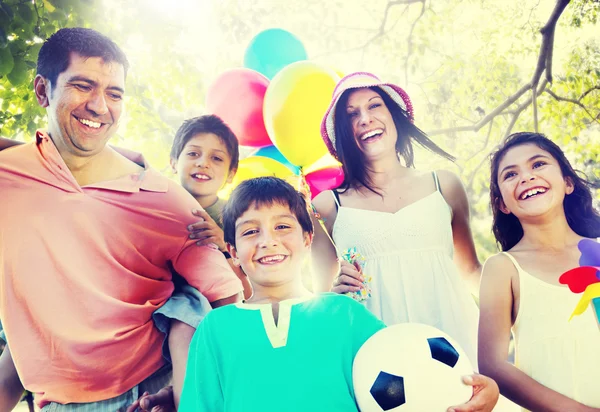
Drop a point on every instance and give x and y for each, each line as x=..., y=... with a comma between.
x=531, y=182
x=372, y=123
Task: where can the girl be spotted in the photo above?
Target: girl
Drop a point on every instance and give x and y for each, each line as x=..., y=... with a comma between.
x=542, y=209
x=406, y=223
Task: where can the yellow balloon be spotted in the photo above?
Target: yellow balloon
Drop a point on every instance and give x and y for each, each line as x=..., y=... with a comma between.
x=255, y=166
x=295, y=103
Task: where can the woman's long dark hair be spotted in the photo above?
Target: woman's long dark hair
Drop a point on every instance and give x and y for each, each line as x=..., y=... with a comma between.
x=353, y=159
x=580, y=213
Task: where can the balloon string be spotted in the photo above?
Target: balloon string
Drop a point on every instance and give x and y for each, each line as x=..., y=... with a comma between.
x=305, y=189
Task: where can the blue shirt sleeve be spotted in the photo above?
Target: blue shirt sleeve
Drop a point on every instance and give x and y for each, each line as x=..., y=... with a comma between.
x=2, y=334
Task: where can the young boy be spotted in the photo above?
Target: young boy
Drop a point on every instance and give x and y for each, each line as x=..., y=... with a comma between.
x=205, y=156
x=304, y=345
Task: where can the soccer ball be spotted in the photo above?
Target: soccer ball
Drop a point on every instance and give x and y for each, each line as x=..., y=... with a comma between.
x=410, y=367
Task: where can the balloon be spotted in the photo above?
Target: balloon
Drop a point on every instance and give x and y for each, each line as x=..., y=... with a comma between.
x=295, y=104
x=272, y=153
x=326, y=161
x=237, y=96
x=410, y=367
x=339, y=72
x=252, y=167
x=324, y=179
x=273, y=49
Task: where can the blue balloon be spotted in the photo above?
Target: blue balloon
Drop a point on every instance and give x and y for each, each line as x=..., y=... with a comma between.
x=273, y=49
x=272, y=153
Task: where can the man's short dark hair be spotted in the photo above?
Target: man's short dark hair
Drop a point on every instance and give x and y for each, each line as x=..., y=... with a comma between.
x=206, y=124
x=263, y=191
x=54, y=56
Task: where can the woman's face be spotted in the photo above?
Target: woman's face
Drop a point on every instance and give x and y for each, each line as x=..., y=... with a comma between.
x=372, y=124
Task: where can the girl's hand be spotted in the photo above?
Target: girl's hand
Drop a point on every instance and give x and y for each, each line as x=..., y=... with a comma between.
x=349, y=279
x=485, y=395
x=206, y=231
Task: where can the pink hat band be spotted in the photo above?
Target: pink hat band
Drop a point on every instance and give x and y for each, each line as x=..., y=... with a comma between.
x=360, y=80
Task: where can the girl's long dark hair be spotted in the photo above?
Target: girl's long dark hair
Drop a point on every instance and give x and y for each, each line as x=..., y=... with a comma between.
x=579, y=210
x=353, y=159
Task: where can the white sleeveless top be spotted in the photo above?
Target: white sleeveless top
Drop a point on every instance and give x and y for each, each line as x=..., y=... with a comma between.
x=409, y=257
x=562, y=355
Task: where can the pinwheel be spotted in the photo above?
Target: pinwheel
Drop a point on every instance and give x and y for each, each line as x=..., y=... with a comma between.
x=586, y=278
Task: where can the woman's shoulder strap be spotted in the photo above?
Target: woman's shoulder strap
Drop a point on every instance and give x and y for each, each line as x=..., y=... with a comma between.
x=336, y=198
x=437, y=181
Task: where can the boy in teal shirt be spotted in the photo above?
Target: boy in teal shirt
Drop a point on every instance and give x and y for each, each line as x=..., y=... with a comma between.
x=303, y=345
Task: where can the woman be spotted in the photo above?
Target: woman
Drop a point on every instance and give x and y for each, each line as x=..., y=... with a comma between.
x=406, y=223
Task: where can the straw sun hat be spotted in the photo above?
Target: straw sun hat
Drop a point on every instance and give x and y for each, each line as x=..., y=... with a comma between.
x=356, y=81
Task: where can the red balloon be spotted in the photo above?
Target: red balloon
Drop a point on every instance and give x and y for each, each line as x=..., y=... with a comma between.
x=237, y=96
x=324, y=179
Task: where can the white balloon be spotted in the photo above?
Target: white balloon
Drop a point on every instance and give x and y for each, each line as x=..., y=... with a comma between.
x=404, y=357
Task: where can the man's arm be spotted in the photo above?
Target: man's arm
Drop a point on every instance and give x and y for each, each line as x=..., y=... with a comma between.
x=11, y=388
x=6, y=143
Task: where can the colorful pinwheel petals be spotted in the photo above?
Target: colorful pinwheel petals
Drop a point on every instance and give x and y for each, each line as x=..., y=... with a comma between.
x=585, y=278
x=352, y=256
x=580, y=278
x=590, y=253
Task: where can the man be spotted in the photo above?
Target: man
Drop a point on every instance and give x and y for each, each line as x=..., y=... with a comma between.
x=87, y=241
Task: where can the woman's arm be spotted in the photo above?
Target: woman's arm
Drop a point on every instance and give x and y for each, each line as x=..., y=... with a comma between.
x=465, y=256
x=325, y=266
x=495, y=321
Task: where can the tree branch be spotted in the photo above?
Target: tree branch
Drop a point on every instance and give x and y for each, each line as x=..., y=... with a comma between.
x=535, y=108
x=544, y=63
x=474, y=128
x=588, y=92
x=515, y=116
x=380, y=32
x=576, y=102
x=548, y=42
x=410, y=42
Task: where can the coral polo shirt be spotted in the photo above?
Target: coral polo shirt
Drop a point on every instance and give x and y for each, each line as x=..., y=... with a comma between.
x=82, y=269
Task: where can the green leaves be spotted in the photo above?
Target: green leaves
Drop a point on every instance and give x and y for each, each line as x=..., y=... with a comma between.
x=7, y=62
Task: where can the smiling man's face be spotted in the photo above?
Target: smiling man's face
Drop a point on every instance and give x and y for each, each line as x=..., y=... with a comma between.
x=85, y=104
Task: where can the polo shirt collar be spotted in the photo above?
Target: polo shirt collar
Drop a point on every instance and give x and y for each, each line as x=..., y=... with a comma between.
x=148, y=179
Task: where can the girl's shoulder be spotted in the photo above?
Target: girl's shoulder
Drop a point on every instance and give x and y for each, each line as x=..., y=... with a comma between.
x=500, y=265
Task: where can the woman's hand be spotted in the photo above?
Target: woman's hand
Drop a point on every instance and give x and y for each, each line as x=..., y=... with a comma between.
x=349, y=278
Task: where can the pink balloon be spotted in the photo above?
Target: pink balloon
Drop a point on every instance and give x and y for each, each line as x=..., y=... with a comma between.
x=324, y=179
x=237, y=96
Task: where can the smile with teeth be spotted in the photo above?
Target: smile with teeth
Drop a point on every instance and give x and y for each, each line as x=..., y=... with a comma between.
x=200, y=176
x=371, y=133
x=272, y=259
x=89, y=123
x=532, y=192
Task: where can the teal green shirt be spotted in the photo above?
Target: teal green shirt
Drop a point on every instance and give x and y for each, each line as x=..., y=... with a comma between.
x=239, y=360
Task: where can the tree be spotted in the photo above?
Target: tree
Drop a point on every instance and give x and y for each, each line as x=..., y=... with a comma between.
x=476, y=70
